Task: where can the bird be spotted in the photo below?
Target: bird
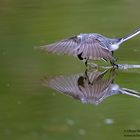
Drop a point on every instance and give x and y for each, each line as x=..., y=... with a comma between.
x=87, y=46
x=90, y=86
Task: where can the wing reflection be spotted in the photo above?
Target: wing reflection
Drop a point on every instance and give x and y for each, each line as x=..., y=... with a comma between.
x=89, y=87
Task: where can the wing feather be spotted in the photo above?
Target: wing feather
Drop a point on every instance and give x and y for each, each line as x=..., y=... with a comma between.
x=67, y=46
x=92, y=92
x=89, y=47
x=95, y=50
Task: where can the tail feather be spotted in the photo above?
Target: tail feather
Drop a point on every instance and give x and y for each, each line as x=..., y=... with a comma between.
x=130, y=92
x=136, y=32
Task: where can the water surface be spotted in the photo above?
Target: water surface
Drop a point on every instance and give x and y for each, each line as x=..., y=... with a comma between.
x=28, y=110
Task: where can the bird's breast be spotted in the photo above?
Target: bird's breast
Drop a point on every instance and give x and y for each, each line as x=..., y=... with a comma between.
x=114, y=47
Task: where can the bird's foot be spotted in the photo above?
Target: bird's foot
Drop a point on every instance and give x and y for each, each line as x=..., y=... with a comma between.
x=115, y=66
x=86, y=63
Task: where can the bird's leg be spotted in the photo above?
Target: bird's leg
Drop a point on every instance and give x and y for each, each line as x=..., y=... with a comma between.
x=86, y=62
x=86, y=76
x=114, y=64
x=112, y=53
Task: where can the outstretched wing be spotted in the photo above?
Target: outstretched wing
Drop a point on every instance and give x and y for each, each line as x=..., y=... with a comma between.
x=66, y=85
x=67, y=46
x=81, y=87
x=95, y=49
x=87, y=46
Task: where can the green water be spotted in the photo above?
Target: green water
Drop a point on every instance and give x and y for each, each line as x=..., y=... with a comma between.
x=30, y=111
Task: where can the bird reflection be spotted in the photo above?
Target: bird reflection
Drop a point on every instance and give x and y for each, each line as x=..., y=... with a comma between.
x=92, y=86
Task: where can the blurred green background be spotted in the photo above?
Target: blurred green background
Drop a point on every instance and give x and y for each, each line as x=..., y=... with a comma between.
x=29, y=111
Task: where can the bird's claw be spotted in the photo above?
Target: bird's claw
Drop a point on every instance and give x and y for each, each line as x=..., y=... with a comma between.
x=115, y=66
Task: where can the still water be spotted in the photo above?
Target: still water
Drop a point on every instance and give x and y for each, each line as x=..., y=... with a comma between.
x=31, y=111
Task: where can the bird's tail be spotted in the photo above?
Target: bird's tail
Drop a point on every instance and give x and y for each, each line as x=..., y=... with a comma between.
x=130, y=92
x=136, y=32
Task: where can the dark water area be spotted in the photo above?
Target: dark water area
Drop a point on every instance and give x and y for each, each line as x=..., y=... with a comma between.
x=31, y=111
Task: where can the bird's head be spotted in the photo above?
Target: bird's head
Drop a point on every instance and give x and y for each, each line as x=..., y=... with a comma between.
x=114, y=44
x=114, y=41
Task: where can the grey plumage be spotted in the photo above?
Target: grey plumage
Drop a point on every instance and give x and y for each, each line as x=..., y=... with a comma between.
x=89, y=87
x=88, y=46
